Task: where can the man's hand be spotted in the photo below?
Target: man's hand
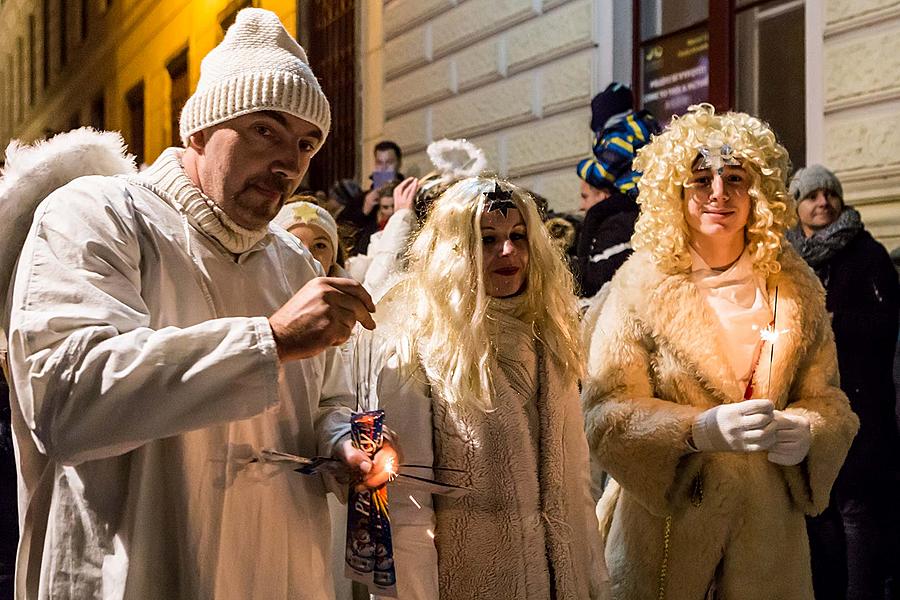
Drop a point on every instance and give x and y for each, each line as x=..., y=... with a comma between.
x=746, y=426
x=370, y=201
x=405, y=193
x=372, y=473
x=320, y=315
x=792, y=439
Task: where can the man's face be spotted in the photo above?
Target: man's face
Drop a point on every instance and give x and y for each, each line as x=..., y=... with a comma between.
x=386, y=160
x=251, y=164
x=818, y=210
x=718, y=205
x=591, y=196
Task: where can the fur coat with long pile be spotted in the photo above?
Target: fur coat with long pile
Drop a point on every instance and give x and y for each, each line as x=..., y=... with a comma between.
x=735, y=520
x=527, y=528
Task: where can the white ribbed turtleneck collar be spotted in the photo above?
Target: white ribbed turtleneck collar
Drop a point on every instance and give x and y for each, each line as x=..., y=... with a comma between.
x=168, y=176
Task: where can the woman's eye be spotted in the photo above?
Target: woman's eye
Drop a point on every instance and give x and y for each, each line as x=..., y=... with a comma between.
x=737, y=179
x=517, y=236
x=700, y=182
x=320, y=246
x=488, y=239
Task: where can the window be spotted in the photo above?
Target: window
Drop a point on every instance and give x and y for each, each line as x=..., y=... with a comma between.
x=181, y=90
x=770, y=74
x=748, y=55
x=134, y=100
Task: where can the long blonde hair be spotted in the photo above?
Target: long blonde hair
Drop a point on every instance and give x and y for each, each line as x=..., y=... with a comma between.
x=666, y=164
x=444, y=291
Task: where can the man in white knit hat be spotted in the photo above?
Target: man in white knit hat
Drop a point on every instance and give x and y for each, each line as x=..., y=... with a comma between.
x=162, y=335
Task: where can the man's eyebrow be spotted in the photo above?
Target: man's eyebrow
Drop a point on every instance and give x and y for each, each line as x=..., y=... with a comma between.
x=278, y=117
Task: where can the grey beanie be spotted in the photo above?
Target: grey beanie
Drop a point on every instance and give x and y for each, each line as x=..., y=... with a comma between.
x=812, y=178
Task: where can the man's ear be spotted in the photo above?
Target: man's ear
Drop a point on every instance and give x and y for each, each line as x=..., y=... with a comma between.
x=197, y=140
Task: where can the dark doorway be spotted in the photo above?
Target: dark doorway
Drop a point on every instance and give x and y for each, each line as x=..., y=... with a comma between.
x=331, y=47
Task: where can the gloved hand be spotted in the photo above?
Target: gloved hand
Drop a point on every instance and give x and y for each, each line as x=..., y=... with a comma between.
x=740, y=427
x=792, y=439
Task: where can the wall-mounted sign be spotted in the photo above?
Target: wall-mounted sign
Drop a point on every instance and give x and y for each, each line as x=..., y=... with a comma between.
x=675, y=73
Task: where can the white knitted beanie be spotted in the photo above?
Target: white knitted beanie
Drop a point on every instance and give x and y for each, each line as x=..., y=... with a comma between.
x=258, y=66
x=307, y=213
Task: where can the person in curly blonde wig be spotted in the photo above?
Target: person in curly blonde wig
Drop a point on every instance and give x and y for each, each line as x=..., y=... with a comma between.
x=667, y=166
x=483, y=379
x=712, y=393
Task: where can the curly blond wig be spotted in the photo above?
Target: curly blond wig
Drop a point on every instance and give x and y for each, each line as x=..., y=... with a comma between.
x=444, y=291
x=666, y=164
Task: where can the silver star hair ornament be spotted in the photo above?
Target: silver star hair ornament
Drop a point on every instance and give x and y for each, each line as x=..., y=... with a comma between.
x=499, y=199
x=716, y=155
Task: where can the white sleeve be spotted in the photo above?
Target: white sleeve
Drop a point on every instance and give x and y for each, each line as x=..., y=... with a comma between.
x=407, y=406
x=93, y=378
x=336, y=405
x=386, y=256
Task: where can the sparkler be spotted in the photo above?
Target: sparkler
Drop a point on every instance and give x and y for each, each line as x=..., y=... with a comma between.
x=771, y=336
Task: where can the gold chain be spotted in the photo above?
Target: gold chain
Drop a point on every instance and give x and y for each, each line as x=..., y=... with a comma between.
x=664, y=568
x=696, y=500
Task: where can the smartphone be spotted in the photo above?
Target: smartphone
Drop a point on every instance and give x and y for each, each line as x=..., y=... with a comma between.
x=382, y=178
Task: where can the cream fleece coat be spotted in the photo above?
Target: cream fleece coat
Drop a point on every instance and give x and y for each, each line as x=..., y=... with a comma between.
x=737, y=519
x=529, y=525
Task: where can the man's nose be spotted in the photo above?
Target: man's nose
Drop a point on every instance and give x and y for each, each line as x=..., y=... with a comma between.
x=290, y=162
x=718, y=188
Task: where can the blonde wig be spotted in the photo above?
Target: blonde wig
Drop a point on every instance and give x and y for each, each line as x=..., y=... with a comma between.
x=445, y=293
x=666, y=164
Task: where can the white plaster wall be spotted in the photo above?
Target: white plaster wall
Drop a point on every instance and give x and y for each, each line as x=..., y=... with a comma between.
x=514, y=76
x=861, y=66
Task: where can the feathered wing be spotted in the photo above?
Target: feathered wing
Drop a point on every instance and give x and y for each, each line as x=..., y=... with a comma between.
x=33, y=171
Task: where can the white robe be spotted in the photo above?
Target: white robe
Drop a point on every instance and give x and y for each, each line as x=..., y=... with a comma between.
x=144, y=376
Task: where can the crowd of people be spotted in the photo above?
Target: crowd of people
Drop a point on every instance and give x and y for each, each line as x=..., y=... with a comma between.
x=686, y=393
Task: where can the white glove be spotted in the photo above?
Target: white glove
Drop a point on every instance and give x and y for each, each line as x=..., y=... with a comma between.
x=740, y=427
x=792, y=439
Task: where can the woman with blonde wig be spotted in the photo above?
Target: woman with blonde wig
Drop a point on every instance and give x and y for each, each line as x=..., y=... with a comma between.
x=712, y=396
x=480, y=378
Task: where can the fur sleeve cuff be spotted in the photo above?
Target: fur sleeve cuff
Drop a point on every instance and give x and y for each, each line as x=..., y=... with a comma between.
x=642, y=444
x=833, y=427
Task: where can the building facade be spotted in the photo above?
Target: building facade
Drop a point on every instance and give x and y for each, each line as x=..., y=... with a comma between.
x=513, y=76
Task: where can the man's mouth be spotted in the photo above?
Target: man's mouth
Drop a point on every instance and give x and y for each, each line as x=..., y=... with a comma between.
x=271, y=193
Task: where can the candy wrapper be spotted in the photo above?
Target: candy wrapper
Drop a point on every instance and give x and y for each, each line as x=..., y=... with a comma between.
x=370, y=551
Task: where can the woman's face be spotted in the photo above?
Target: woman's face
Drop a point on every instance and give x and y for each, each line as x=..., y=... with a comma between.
x=504, y=246
x=718, y=206
x=317, y=242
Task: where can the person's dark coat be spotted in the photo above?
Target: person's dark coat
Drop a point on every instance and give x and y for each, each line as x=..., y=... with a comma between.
x=605, y=241
x=863, y=295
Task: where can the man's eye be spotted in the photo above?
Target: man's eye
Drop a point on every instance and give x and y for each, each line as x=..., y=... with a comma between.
x=306, y=146
x=263, y=130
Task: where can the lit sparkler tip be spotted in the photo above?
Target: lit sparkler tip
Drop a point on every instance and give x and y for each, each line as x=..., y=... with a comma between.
x=414, y=501
x=390, y=468
x=771, y=335
x=430, y=533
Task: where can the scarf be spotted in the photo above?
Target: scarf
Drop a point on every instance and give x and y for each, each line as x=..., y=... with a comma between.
x=167, y=175
x=822, y=245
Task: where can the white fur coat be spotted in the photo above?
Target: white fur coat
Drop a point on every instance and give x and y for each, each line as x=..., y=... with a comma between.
x=737, y=520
